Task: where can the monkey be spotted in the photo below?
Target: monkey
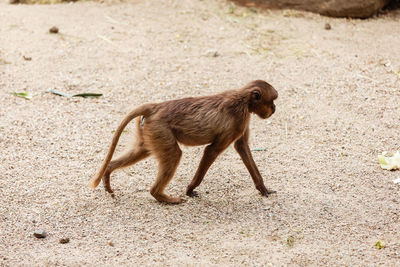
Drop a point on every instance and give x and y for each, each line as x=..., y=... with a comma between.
x=216, y=121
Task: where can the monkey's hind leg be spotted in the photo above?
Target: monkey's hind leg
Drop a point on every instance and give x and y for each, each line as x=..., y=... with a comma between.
x=168, y=157
x=137, y=153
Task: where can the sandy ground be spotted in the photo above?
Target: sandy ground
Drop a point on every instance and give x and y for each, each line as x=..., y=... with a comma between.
x=338, y=109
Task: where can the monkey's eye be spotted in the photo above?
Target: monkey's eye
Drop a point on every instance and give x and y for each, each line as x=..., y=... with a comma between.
x=256, y=95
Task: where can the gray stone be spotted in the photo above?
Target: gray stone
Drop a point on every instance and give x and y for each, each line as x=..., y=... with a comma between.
x=40, y=234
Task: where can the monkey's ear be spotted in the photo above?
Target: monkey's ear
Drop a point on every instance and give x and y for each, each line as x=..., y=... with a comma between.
x=256, y=95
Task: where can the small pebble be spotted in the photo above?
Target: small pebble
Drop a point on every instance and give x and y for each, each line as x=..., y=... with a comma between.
x=27, y=58
x=64, y=240
x=212, y=53
x=110, y=243
x=53, y=29
x=40, y=234
x=328, y=26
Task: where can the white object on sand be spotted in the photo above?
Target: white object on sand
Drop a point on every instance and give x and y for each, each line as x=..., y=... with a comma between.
x=389, y=163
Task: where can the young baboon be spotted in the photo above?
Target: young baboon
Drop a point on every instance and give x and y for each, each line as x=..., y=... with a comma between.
x=216, y=120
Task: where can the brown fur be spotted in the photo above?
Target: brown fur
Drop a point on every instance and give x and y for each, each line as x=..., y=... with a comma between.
x=217, y=120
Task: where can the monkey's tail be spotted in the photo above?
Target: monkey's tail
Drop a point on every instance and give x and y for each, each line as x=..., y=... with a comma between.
x=144, y=110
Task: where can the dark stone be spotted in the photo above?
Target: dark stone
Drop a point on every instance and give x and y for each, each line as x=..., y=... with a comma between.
x=64, y=240
x=53, y=29
x=328, y=26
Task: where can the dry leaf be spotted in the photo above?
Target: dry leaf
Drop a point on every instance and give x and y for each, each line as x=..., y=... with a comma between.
x=379, y=244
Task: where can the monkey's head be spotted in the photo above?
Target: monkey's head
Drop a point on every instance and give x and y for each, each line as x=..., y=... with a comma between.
x=262, y=96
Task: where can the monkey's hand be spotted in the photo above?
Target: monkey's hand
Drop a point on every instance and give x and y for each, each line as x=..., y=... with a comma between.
x=192, y=193
x=264, y=191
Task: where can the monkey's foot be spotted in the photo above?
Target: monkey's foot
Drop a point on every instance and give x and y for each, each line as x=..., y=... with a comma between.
x=111, y=193
x=167, y=199
x=109, y=190
x=192, y=193
x=106, y=184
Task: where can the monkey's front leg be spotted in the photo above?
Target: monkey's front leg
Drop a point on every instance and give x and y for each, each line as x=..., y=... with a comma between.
x=211, y=152
x=242, y=147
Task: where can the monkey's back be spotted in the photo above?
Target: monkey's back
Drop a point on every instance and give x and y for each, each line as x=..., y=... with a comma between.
x=193, y=121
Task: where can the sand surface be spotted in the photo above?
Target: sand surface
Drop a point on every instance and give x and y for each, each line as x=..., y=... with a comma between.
x=338, y=108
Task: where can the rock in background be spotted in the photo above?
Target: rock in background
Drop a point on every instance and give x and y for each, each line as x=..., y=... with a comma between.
x=334, y=8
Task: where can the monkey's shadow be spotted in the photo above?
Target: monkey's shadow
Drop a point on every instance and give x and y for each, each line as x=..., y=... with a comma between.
x=206, y=207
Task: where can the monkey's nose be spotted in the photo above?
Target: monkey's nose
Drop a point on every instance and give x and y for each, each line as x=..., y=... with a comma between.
x=273, y=108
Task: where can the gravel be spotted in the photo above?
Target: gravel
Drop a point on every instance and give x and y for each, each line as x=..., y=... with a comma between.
x=338, y=108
